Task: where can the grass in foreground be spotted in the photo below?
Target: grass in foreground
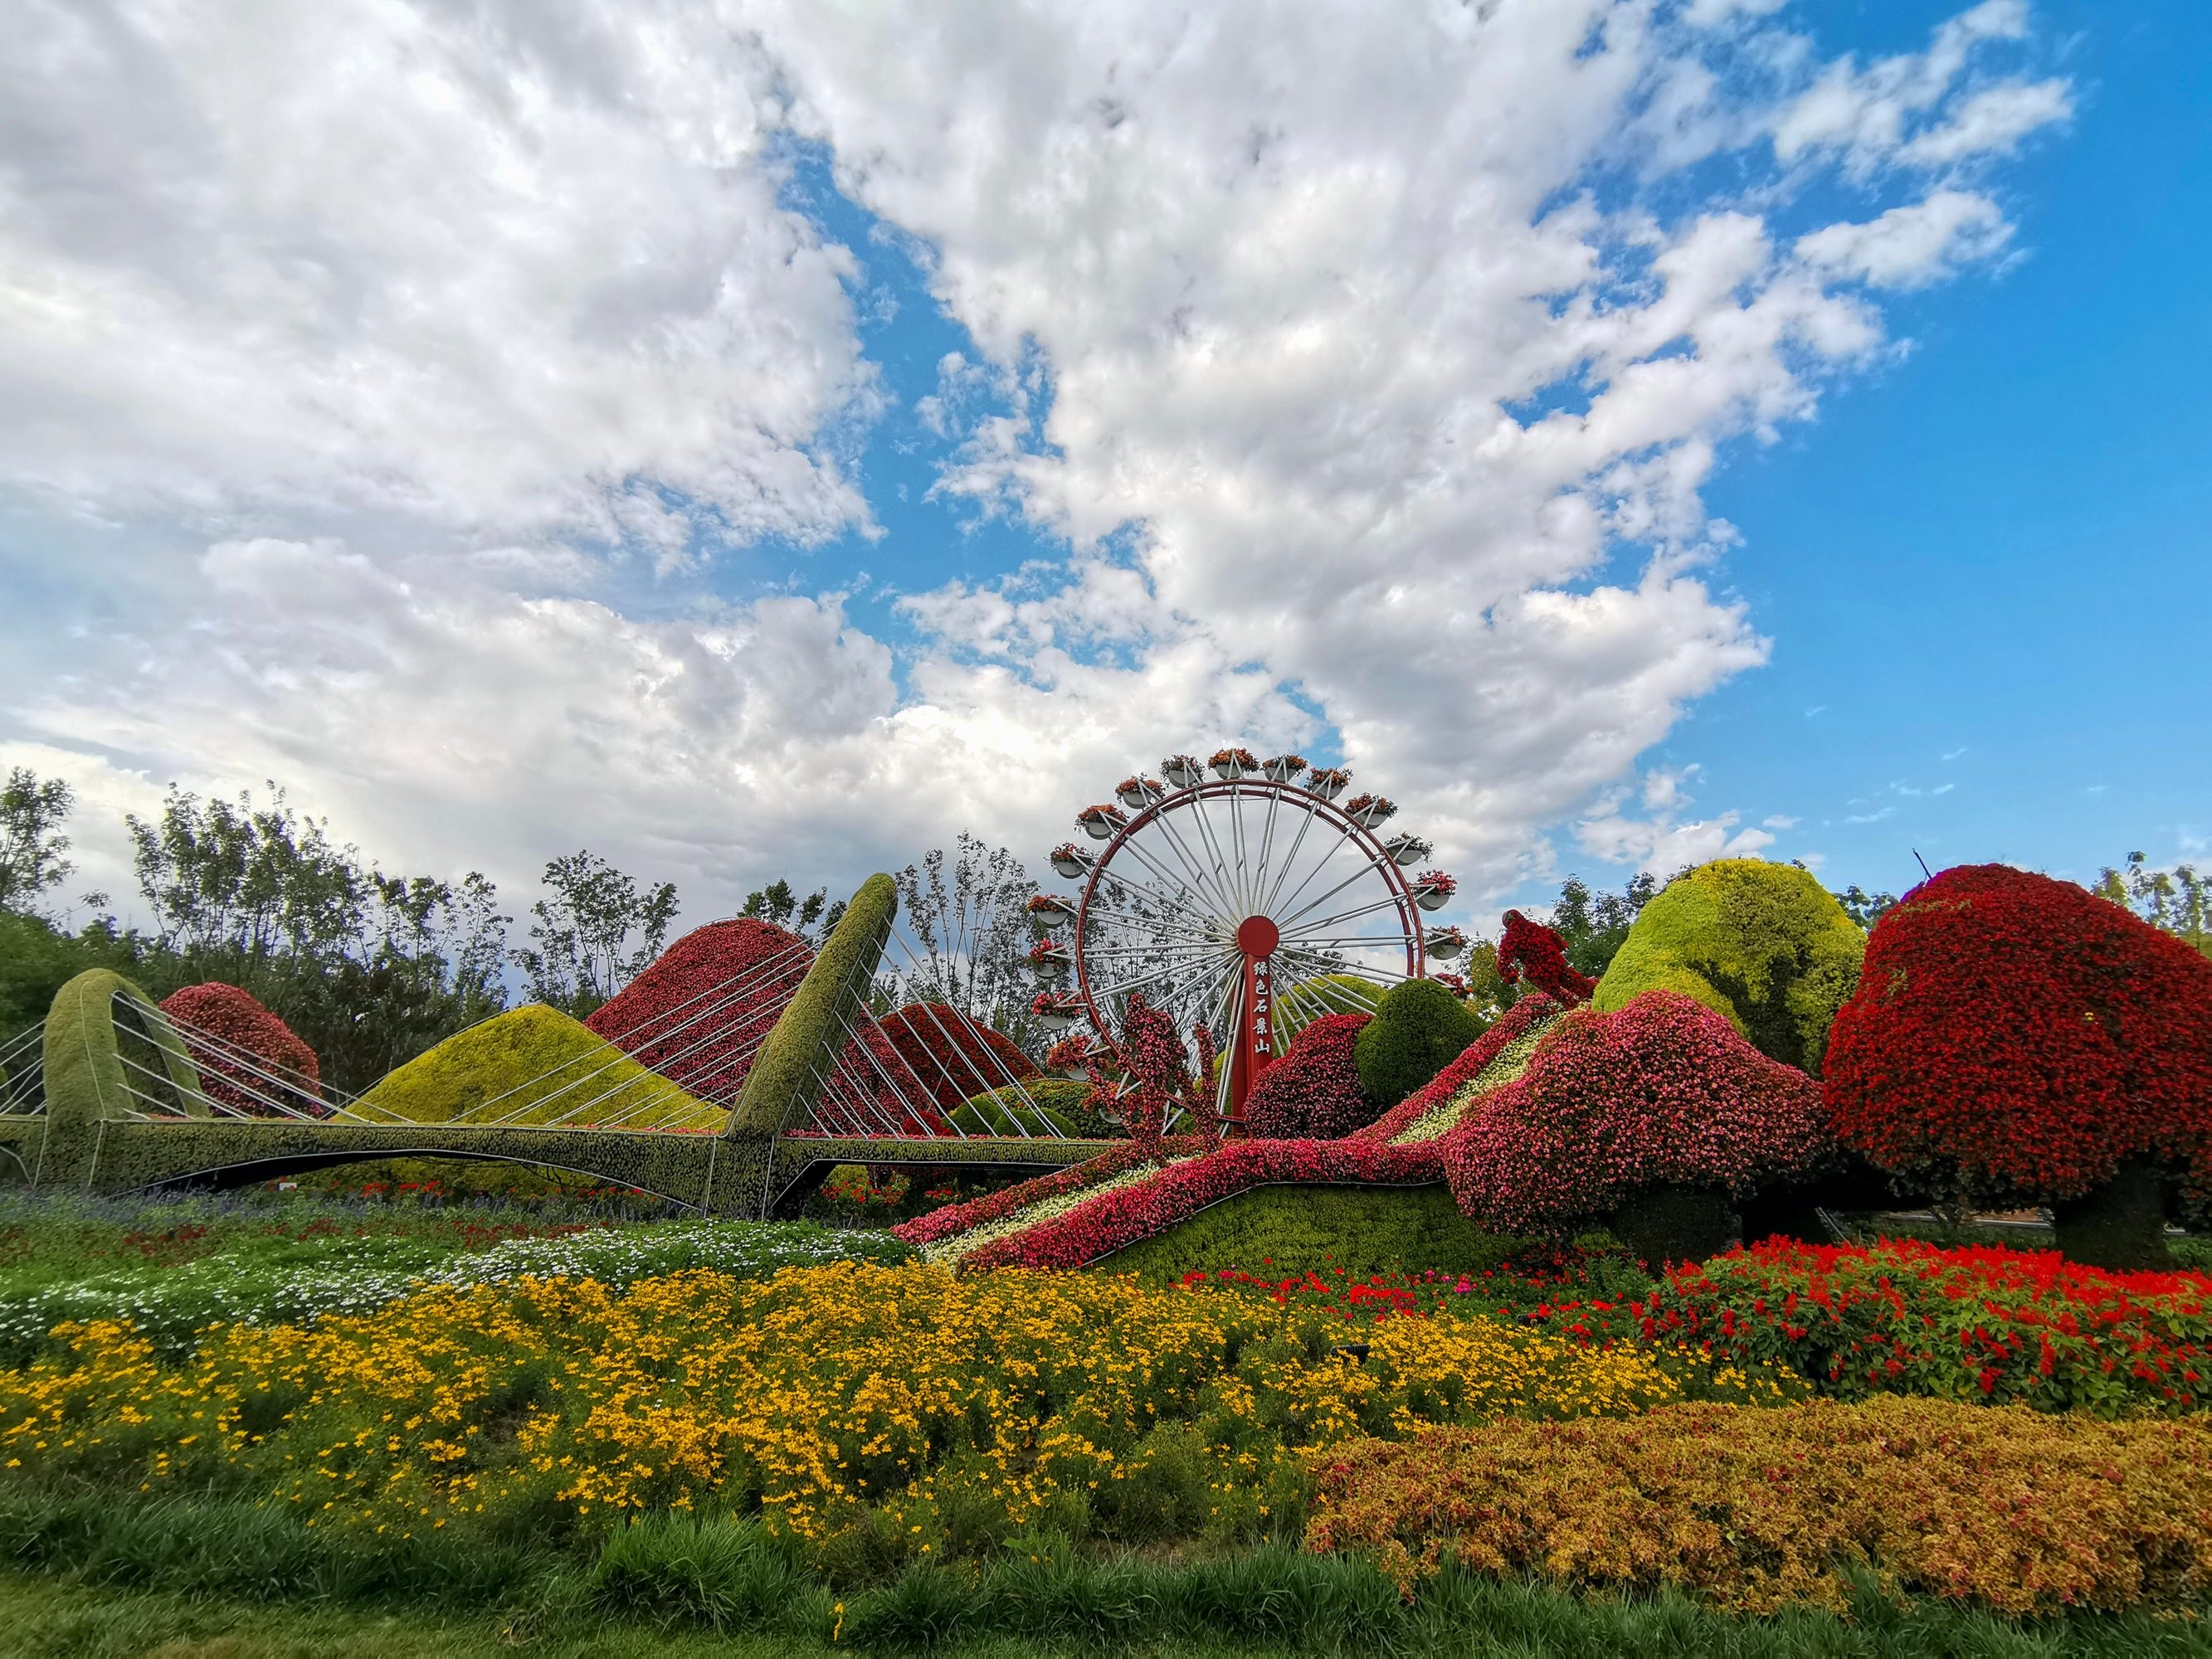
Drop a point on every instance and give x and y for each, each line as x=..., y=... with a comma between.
x=191, y=1579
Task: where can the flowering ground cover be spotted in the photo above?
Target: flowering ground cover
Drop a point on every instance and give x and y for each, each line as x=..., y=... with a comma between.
x=870, y=1415
x=1900, y=1316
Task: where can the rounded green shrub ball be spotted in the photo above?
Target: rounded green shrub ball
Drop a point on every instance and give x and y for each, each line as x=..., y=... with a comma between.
x=1764, y=945
x=1419, y=1029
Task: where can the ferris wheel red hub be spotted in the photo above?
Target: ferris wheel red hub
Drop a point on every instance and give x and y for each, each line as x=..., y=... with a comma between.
x=1257, y=937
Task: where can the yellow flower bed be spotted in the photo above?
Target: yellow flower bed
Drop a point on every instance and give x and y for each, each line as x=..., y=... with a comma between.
x=869, y=1413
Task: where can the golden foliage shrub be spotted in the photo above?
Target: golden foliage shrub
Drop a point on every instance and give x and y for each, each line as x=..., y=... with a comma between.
x=2015, y=1510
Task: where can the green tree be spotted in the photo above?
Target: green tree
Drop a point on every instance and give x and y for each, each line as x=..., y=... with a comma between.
x=1862, y=907
x=595, y=931
x=32, y=844
x=1593, y=924
x=971, y=932
x=779, y=903
x=2177, y=901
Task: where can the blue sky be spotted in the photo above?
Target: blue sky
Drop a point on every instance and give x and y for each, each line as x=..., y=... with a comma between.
x=755, y=441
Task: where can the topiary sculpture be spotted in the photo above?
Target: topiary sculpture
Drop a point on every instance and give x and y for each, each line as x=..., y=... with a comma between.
x=698, y=1014
x=1652, y=1118
x=953, y=1055
x=1313, y=1092
x=535, y=1064
x=2016, y=1040
x=277, y=1072
x=1070, y=1102
x=1764, y=944
x=1419, y=1029
x=1531, y=951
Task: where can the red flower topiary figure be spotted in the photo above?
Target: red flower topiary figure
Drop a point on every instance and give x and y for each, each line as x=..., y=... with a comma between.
x=2014, y=1038
x=698, y=1016
x=1313, y=1091
x=952, y=1056
x=276, y=1071
x=1159, y=1080
x=1532, y=951
x=1652, y=1117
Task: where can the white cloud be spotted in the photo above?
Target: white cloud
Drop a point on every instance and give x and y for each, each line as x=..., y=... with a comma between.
x=1911, y=246
x=1991, y=122
x=476, y=267
x=1662, y=842
x=1351, y=396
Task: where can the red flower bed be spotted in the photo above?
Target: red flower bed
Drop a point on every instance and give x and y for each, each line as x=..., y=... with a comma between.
x=1515, y=1022
x=1313, y=1089
x=992, y=1206
x=1906, y=1317
x=1532, y=951
x=698, y=1014
x=2019, y=1037
x=274, y=1051
x=1111, y=1220
x=952, y=1056
x=1662, y=1093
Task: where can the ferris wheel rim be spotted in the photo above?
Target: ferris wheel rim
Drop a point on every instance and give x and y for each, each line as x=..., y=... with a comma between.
x=1379, y=861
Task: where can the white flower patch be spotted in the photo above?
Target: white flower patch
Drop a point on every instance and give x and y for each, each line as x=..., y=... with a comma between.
x=1509, y=1063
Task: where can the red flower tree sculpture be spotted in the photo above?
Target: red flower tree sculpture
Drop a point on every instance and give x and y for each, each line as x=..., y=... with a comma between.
x=2014, y=1038
x=249, y=1060
x=1158, y=1078
x=1532, y=951
x=1313, y=1091
x=1653, y=1116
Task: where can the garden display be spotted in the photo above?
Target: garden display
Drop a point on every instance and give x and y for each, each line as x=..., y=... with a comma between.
x=1312, y=1272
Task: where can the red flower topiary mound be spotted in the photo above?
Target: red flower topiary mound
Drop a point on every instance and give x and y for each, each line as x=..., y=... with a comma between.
x=2016, y=1037
x=1313, y=1091
x=1613, y=1107
x=236, y=1018
x=698, y=1014
x=874, y=1092
x=954, y=1056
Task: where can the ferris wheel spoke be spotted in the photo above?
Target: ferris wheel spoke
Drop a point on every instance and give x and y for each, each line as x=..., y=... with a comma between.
x=1291, y=860
x=1207, y=871
x=1136, y=920
x=1370, y=868
x=1243, y=865
x=1122, y=987
x=1267, y=847
x=1202, y=824
x=1327, y=857
x=1325, y=962
x=1338, y=941
x=1146, y=858
x=1390, y=902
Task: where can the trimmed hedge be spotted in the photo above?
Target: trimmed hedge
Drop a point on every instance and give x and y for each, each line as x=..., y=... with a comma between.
x=1320, y=1230
x=1065, y=1100
x=1313, y=1089
x=534, y=1064
x=1419, y=1029
x=1762, y=1510
x=1764, y=944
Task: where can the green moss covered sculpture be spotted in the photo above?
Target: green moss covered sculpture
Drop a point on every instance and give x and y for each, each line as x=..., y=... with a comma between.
x=1046, y=1105
x=535, y=1064
x=1299, y=1006
x=1763, y=944
x=1419, y=1029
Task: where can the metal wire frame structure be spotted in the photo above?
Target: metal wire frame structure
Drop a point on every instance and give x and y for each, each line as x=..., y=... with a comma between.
x=872, y=1090
x=1221, y=899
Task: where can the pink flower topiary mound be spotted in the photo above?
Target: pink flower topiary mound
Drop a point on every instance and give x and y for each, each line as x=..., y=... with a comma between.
x=953, y=1056
x=1661, y=1094
x=1313, y=1091
x=698, y=1015
x=276, y=1071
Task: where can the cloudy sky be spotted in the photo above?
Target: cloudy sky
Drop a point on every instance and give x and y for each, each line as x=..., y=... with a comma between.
x=751, y=439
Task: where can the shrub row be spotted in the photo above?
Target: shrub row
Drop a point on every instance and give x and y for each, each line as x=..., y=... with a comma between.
x=1759, y=1509
x=1906, y=1317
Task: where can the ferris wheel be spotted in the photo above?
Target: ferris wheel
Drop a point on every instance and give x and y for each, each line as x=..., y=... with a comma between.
x=1250, y=901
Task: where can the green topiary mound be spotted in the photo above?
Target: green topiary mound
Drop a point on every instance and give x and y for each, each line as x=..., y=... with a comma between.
x=1280, y=1231
x=1419, y=1029
x=535, y=1064
x=1764, y=944
x=1065, y=1104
